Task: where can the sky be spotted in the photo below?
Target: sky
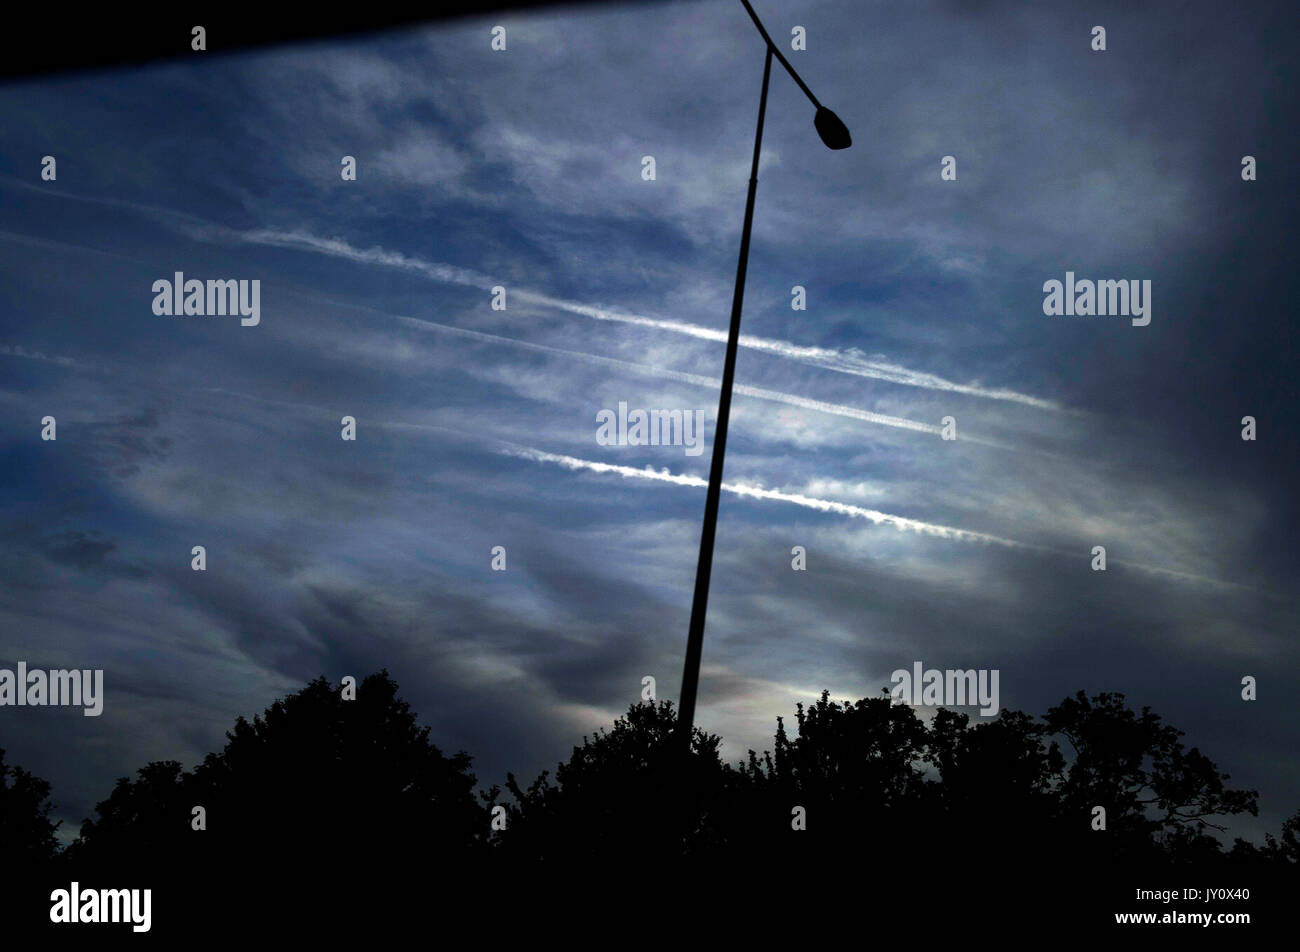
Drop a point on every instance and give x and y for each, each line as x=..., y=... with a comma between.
x=477, y=427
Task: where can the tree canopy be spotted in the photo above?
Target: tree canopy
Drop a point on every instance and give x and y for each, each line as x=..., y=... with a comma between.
x=324, y=788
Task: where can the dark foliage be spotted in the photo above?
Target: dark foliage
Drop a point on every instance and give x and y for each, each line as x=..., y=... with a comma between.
x=317, y=800
x=26, y=831
x=332, y=804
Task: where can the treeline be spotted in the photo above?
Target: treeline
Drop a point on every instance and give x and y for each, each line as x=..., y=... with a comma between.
x=343, y=800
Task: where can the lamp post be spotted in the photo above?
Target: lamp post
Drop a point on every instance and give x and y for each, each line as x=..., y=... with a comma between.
x=836, y=136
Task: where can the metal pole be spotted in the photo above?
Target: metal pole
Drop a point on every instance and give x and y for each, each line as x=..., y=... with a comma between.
x=695, y=640
x=779, y=55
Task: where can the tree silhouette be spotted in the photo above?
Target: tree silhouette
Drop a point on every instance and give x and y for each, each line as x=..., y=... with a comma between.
x=1159, y=797
x=998, y=781
x=1289, y=848
x=26, y=831
x=146, y=818
x=324, y=776
x=870, y=778
x=317, y=796
x=626, y=793
x=326, y=803
x=853, y=769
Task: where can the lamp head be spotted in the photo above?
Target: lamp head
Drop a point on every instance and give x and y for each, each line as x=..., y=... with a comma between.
x=833, y=132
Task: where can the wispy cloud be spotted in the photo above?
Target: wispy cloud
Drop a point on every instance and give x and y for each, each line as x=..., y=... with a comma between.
x=18, y=350
x=841, y=361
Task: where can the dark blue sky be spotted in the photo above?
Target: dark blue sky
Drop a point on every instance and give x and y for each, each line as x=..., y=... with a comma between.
x=477, y=428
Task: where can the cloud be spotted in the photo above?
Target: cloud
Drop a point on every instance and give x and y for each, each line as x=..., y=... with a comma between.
x=20, y=351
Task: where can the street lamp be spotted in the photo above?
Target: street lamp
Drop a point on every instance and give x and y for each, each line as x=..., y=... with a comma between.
x=835, y=135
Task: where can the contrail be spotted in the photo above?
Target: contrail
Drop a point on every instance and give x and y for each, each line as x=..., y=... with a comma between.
x=821, y=406
x=755, y=492
x=575, y=463
x=847, y=362
x=841, y=361
x=875, y=516
x=902, y=523
x=850, y=362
